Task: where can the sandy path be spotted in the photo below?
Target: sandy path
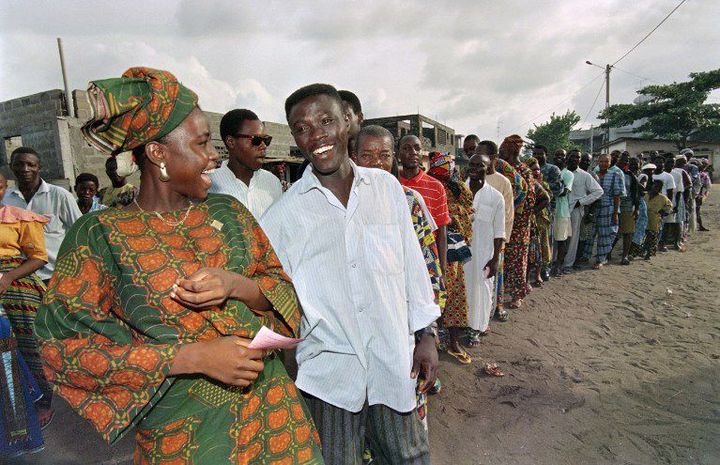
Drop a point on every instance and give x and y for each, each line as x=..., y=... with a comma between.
x=616, y=366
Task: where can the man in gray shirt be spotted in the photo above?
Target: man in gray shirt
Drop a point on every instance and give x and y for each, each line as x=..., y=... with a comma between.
x=53, y=202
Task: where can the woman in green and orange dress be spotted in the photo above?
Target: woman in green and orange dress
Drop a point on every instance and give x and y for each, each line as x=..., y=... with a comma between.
x=148, y=316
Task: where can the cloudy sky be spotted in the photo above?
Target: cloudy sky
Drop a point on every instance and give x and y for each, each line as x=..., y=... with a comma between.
x=472, y=64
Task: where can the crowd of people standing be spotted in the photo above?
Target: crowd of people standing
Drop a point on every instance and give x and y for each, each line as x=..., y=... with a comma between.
x=152, y=295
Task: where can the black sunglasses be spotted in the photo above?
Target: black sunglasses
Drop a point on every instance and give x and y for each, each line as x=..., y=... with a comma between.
x=256, y=140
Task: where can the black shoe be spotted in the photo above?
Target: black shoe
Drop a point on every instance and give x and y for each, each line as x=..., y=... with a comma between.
x=625, y=261
x=545, y=274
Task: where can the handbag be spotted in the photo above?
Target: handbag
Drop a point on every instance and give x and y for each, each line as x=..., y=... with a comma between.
x=457, y=248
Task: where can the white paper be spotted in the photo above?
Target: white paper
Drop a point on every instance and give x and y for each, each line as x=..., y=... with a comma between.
x=267, y=339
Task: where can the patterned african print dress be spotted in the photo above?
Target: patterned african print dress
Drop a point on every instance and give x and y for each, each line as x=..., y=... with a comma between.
x=109, y=331
x=22, y=238
x=540, y=253
x=428, y=245
x=516, y=251
x=19, y=425
x=460, y=207
x=613, y=185
x=520, y=189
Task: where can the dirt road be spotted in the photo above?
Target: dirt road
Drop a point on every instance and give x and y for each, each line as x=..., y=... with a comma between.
x=616, y=366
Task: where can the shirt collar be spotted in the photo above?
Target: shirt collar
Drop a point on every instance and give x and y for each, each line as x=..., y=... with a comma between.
x=309, y=181
x=42, y=188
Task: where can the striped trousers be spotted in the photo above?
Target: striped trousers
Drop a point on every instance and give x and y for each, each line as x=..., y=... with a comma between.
x=394, y=438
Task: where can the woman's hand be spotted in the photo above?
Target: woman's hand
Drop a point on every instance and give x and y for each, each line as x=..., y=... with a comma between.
x=205, y=288
x=226, y=359
x=209, y=287
x=5, y=282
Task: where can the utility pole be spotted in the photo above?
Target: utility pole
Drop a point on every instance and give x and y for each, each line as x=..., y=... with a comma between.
x=607, y=69
x=68, y=101
x=607, y=106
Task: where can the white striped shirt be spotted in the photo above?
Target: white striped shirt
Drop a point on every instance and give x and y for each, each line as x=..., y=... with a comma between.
x=363, y=285
x=263, y=191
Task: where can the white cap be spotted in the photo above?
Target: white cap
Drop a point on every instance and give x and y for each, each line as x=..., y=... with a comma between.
x=686, y=151
x=648, y=166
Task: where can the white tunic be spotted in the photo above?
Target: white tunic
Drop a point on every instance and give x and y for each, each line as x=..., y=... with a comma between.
x=488, y=225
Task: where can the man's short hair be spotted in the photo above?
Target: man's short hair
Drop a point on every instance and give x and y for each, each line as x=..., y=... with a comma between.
x=22, y=150
x=310, y=91
x=233, y=119
x=491, y=146
x=352, y=100
x=472, y=137
x=84, y=177
x=373, y=131
x=541, y=147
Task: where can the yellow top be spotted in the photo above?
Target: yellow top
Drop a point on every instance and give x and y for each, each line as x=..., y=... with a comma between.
x=23, y=236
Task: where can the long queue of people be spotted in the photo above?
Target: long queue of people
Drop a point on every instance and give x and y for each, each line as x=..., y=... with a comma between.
x=139, y=305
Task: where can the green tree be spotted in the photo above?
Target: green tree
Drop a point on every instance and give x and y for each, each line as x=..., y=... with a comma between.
x=555, y=134
x=674, y=111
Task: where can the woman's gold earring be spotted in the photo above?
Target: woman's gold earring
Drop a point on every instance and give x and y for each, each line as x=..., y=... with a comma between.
x=164, y=177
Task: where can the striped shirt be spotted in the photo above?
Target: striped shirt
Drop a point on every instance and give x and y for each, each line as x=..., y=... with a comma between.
x=263, y=191
x=363, y=285
x=433, y=192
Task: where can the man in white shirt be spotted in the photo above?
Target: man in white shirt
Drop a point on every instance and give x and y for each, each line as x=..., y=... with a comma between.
x=344, y=235
x=586, y=190
x=488, y=229
x=502, y=185
x=241, y=175
x=53, y=202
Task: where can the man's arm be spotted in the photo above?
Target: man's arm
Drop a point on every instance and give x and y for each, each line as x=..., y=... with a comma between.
x=442, y=246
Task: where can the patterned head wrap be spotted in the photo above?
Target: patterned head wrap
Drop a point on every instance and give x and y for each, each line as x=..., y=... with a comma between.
x=143, y=105
x=513, y=143
x=442, y=165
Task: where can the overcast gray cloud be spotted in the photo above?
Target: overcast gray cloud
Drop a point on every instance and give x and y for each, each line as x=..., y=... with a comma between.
x=470, y=64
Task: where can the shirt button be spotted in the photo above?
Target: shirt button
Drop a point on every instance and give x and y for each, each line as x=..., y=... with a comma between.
x=354, y=265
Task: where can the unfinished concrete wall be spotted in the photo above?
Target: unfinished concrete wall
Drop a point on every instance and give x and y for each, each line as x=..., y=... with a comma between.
x=31, y=121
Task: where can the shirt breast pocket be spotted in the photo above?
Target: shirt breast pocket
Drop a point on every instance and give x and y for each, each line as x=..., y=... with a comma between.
x=54, y=224
x=383, y=248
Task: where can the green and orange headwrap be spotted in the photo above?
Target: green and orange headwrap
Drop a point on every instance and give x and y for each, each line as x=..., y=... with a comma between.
x=143, y=105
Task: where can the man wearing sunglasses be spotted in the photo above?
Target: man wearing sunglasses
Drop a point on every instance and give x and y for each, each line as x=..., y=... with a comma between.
x=241, y=175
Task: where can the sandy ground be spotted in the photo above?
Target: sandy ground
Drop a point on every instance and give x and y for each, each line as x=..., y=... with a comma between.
x=616, y=366
x=602, y=367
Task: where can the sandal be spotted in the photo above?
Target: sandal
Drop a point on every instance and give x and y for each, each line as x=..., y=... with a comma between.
x=501, y=315
x=597, y=265
x=462, y=357
x=492, y=369
x=515, y=304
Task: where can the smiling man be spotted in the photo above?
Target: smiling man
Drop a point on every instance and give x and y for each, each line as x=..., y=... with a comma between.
x=241, y=175
x=344, y=235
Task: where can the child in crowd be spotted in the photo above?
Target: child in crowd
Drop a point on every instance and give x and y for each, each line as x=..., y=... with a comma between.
x=658, y=205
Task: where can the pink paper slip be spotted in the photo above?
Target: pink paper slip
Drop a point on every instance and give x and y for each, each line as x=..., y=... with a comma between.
x=268, y=339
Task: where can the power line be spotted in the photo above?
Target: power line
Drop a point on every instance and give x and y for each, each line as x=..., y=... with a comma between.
x=635, y=75
x=557, y=104
x=649, y=33
x=602, y=86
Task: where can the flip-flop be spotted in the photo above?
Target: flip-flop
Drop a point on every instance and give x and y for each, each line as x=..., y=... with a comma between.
x=501, y=315
x=515, y=304
x=597, y=266
x=493, y=370
x=462, y=357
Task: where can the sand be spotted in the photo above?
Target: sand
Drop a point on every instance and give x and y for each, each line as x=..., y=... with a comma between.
x=615, y=366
